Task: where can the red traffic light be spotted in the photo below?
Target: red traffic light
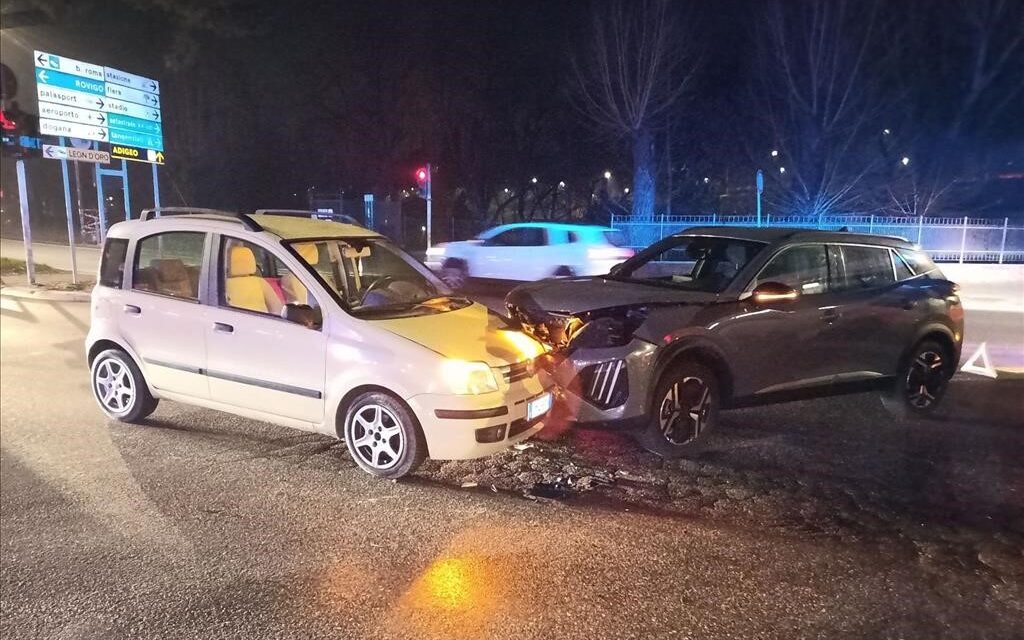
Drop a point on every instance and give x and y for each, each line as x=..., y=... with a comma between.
x=7, y=121
x=421, y=175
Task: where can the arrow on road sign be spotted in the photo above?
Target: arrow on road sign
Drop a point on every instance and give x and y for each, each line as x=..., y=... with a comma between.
x=42, y=75
x=985, y=369
x=101, y=118
x=156, y=115
x=99, y=103
x=42, y=60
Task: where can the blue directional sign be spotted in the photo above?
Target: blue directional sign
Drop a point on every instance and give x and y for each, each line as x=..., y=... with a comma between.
x=100, y=103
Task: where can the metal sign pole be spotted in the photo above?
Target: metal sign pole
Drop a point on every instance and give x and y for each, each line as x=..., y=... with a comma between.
x=127, y=194
x=70, y=214
x=760, y=190
x=101, y=206
x=429, y=189
x=26, y=227
x=156, y=188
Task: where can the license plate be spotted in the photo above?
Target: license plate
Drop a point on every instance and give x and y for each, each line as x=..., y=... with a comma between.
x=538, y=406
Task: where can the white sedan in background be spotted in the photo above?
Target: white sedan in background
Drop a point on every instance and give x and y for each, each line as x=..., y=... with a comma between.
x=530, y=251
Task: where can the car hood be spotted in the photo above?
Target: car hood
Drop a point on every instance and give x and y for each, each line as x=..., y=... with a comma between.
x=576, y=295
x=473, y=333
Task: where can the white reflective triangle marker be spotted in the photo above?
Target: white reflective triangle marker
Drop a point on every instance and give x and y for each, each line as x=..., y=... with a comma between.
x=984, y=369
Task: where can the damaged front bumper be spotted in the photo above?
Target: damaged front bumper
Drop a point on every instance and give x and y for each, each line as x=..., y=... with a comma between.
x=604, y=387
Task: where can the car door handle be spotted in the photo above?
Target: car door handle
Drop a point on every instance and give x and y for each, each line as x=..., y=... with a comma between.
x=223, y=327
x=132, y=309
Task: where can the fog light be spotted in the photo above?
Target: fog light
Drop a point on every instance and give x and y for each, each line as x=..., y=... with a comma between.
x=491, y=434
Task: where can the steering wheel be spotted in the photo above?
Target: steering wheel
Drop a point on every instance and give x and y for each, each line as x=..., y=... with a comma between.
x=379, y=283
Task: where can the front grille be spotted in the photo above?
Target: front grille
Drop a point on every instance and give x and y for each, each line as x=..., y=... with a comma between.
x=605, y=385
x=516, y=372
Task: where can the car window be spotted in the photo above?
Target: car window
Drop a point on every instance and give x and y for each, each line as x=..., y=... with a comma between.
x=697, y=263
x=254, y=279
x=115, y=252
x=903, y=271
x=919, y=262
x=803, y=267
x=169, y=264
x=519, y=237
x=615, y=238
x=573, y=236
x=864, y=267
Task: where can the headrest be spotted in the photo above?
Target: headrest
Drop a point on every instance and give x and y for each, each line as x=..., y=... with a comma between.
x=169, y=269
x=242, y=263
x=308, y=252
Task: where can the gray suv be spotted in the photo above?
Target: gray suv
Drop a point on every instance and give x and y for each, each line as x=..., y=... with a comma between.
x=718, y=317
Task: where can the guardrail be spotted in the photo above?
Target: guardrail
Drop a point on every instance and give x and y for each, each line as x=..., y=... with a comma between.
x=946, y=239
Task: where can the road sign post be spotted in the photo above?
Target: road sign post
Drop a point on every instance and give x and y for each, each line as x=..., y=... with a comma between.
x=26, y=227
x=760, y=190
x=71, y=217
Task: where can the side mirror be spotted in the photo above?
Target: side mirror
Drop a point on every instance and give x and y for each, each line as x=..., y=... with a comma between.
x=770, y=292
x=302, y=314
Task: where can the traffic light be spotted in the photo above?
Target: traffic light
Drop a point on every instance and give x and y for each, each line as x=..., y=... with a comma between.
x=422, y=176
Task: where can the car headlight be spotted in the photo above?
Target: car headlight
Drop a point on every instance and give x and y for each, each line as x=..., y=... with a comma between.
x=468, y=378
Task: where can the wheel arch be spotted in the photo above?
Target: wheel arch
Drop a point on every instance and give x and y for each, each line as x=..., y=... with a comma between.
x=936, y=332
x=353, y=393
x=705, y=353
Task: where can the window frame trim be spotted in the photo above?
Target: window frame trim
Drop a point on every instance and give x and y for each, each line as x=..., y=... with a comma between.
x=882, y=247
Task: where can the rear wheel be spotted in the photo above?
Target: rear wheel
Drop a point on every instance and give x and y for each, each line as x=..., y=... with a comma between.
x=119, y=388
x=383, y=436
x=922, y=381
x=685, y=410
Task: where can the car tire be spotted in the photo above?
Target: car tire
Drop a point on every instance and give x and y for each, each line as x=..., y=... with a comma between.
x=383, y=436
x=921, y=382
x=564, y=272
x=685, y=409
x=119, y=387
x=454, y=273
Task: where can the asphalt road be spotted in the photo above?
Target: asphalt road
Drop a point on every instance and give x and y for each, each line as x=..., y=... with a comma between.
x=812, y=519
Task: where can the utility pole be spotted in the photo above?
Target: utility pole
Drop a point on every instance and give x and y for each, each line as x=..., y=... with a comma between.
x=760, y=190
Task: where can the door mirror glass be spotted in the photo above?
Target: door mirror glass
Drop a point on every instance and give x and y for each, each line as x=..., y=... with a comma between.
x=771, y=292
x=302, y=314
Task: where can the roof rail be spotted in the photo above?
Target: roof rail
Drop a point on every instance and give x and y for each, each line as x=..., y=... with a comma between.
x=245, y=219
x=304, y=213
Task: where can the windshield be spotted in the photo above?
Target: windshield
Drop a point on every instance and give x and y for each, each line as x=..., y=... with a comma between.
x=695, y=263
x=373, y=276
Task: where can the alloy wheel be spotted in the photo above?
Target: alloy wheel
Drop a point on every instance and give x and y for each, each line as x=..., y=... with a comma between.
x=114, y=386
x=925, y=379
x=376, y=436
x=685, y=410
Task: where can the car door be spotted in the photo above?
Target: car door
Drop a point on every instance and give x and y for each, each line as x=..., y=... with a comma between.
x=502, y=255
x=877, y=313
x=160, y=314
x=257, y=360
x=782, y=346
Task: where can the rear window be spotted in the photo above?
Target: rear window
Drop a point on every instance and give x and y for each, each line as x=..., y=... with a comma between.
x=615, y=238
x=115, y=250
x=169, y=264
x=865, y=267
x=919, y=262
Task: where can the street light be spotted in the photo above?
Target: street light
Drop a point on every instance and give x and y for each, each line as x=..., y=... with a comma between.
x=782, y=169
x=905, y=160
x=626, y=190
x=707, y=180
x=775, y=153
x=607, y=175
x=886, y=132
x=533, y=180
x=561, y=185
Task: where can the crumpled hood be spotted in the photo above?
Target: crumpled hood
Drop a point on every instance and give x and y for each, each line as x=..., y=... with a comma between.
x=576, y=295
x=473, y=333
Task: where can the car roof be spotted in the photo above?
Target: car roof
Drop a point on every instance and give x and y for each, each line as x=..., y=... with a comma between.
x=561, y=226
x=773, y=235
x=284, y=227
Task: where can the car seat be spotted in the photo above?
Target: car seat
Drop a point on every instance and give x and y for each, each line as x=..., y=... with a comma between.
x=245, y=289
x=294, y=290
x=172, y=278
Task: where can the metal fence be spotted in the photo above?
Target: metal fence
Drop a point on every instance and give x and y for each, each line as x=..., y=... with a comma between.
x=960, y=239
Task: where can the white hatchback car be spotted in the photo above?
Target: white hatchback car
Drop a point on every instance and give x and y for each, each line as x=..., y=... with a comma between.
x=530, y=251
x=309, y=324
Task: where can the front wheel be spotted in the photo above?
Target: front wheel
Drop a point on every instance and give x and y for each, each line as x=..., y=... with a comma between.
x=685, y=410
x=119, y=388
x=383, y=436
x=921, y=382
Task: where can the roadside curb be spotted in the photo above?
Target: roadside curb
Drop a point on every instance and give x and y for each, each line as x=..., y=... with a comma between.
x=40, y=293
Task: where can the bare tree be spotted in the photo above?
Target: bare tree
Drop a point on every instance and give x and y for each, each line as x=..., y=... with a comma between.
x=818, y=98
x=637, y=63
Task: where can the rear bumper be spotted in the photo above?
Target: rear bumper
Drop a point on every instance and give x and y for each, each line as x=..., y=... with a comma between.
x=450, y=423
